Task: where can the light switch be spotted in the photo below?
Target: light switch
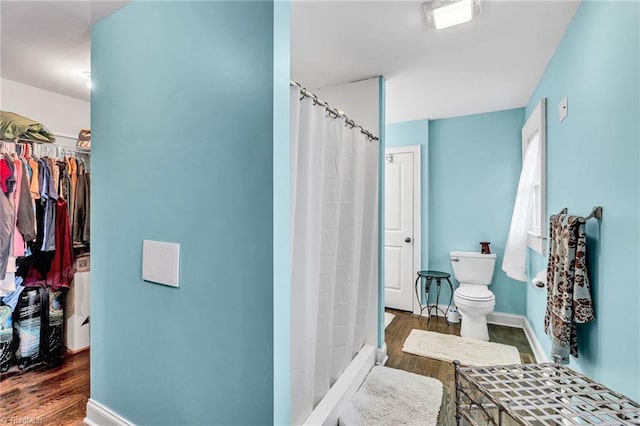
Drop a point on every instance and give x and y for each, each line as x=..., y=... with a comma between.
x=161, y=262
x=563, y=108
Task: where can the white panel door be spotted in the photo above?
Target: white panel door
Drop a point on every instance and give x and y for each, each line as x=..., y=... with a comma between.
x=399, y=228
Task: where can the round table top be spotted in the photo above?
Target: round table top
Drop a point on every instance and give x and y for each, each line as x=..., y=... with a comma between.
x=434, y=274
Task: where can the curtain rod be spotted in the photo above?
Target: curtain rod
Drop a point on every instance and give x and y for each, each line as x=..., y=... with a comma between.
x=333, y=111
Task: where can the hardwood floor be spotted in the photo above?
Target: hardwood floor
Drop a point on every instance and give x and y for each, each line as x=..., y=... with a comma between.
x=45, y=394
x=398, y=331
x=57, y=395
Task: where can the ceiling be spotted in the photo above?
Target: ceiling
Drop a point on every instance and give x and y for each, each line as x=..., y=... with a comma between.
x=491, y=63
x=47, y=44
x=494, y=62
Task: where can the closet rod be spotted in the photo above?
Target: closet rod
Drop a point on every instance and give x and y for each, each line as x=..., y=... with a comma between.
x=63, y=146
x=333, y=111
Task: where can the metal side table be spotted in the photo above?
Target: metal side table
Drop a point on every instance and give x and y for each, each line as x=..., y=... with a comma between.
x=427, y=277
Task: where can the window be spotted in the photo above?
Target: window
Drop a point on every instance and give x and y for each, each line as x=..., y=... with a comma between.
x=535, y=128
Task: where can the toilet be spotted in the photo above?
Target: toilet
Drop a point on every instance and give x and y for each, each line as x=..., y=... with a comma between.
x=474, y=272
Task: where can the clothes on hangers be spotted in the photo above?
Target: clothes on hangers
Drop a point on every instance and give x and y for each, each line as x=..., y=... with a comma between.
x=48, y=197
x=72, y=169
x=25, y=219
x=6, y=233
x=82, y=207
x=18, y=240
x=37, y=204
x=34, y=188
x=61, y=271
x=7, y=174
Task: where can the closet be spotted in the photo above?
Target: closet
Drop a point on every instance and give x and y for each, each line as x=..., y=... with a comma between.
x=44, y=249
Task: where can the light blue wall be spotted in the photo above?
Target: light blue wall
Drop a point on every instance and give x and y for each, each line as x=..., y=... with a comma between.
x=470, y=170
x=281, y=213
x=416, y=133
x=182, y=122
x=593, y=159
x=474, y=167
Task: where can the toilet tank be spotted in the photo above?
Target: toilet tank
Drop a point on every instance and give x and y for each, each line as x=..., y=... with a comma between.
x=473, y=267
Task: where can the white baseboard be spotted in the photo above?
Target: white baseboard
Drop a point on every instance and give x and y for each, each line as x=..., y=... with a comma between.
x=329, y=409
x=77, y=351
x=99, y=415
x=510, y=320
x=382, y=357
x=538, y=352
x=507, y=320
x=520, y=321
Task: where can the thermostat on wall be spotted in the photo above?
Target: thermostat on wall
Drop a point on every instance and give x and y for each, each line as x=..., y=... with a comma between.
x=161, y=262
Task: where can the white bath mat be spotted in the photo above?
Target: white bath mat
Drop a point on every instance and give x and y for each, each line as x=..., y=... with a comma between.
x=394, y=397
x=387, y=319
x=470, y=352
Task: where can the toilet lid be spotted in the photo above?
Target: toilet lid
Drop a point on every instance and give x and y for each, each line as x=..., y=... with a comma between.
x=475, y=292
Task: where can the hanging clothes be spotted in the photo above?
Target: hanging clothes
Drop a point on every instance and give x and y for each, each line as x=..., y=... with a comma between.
x=55, y=173
x=81, y=214
x=18, y=240
x=25, y=220
x=61, y=271
x=37, y=203
x=35, y=179
x=7, y=227
x=568, y=290
x=64, y=185
x=7, y=179
x=86, y=231
x=48, y=195
x=72, y=169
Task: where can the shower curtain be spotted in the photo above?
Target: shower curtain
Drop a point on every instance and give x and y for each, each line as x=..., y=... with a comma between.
x=334, y=184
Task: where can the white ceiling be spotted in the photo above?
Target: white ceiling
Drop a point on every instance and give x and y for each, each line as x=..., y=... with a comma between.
x=47, y=44
x=491, y=63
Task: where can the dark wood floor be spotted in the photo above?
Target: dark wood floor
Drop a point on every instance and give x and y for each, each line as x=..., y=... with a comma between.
x=57, y=395
x=45, y=394
x=398, y=331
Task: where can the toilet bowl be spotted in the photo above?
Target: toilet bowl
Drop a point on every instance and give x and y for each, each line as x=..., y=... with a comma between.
x=474, y=272
x=473, y=312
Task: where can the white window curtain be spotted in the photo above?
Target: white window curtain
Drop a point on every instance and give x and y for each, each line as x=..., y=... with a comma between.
x=514, y=262
x=334, y=183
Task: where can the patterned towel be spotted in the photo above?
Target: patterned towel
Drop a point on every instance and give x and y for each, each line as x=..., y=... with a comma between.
x=568, y=291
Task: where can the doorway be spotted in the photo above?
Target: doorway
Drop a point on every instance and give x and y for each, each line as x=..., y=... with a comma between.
x=402, y=227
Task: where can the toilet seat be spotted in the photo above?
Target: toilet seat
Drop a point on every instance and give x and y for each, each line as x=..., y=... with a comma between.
x=475, y=293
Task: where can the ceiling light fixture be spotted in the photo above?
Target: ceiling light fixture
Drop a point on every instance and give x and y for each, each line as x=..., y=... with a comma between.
x=447, y=13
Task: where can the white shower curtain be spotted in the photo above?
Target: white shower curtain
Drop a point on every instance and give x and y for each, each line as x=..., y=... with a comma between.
x=514, y=263
x=334, y=181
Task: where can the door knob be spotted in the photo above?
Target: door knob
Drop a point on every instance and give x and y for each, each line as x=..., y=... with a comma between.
x=407, y=240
